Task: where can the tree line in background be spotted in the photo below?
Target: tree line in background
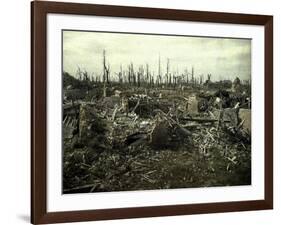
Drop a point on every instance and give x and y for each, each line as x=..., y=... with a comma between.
x=143, y=76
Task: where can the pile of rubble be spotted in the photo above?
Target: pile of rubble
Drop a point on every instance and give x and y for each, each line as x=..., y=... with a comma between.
x=151, y=141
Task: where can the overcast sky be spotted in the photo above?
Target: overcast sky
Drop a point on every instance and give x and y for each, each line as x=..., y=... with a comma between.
x=223, y=58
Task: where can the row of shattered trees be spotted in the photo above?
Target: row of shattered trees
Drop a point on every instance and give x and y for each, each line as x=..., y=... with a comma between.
x=154, y=142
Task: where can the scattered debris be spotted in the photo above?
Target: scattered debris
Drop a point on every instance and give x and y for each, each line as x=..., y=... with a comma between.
x=120, y=138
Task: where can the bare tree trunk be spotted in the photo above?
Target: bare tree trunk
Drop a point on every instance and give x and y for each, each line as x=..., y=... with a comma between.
x=106, y=69
x=168, y=79
x=159, y=70
x=147, y=74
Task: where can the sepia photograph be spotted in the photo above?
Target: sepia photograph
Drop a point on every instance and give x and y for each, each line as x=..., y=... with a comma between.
x=154, y=111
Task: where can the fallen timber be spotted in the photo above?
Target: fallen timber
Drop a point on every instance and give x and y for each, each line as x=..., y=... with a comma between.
x=203, y=120
x=155, y=144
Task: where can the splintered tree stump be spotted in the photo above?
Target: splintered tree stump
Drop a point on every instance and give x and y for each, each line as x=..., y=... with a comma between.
x=245, y=114
x=160, y=135
x=84, y=120
x=231, y=115
x=192, y=105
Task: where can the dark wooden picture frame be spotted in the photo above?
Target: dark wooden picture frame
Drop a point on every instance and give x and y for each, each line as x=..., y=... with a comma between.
x=40, y=9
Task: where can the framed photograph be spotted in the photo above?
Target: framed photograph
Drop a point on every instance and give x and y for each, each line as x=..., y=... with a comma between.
x=144, y=112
